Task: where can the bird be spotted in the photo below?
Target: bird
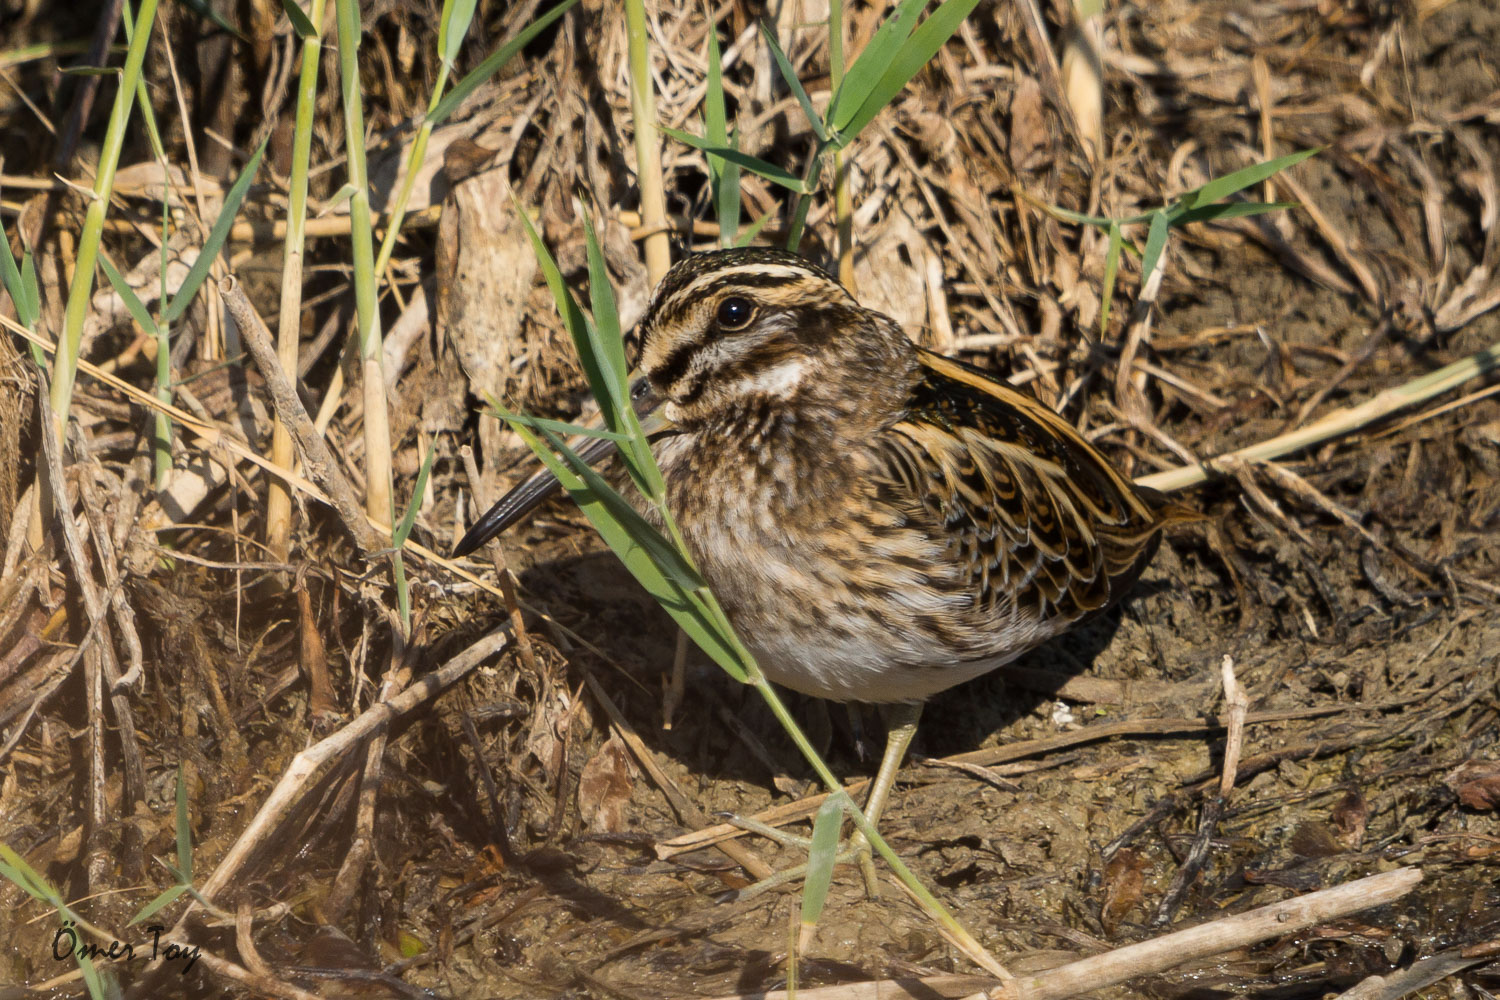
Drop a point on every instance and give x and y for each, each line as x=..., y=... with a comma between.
x=880, y=522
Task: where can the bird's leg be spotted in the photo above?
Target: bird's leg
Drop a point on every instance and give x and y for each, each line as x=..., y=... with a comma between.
x=901, y=726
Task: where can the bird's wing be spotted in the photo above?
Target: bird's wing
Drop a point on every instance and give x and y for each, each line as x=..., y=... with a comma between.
x=1018, y=496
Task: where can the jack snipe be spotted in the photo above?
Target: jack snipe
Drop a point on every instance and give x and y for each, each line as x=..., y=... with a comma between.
x=880, y=522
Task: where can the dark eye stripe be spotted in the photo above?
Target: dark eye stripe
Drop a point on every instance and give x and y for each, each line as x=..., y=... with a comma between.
x=704, y=280
x=695, y=388
x=675, y=364
x=680, y=358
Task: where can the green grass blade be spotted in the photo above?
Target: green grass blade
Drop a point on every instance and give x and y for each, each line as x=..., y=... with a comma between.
x=634, y=542
x=1156, y=241
x=1232, y=210
x=163, y=294
x=606, y=347
x=727, y=200
x=715, y=115
x=753, y=230
x=605, y=340
x=1097, y=221
x=301, y=23
x=409, y=519
x=712, y=636
x=165, y=899
x=799, y=220
x=208, y=13
x=790, y=76
x=452, y=28
x=572, y=315
x=162, y=443
x=801, y=205
x=492, y=64
x=143, y=101
x=724, y=176
x=92, y=980
x=398, y=539
x=403, y=593
x=21, y=286
x=133, y=304
x=914, y=53
x=1111, y=271
x=820, y=857
x=10, y=277
x=655, y=562
x=201, y=899
x=30, y=288
x=663, y=554
x=81, y=285
x=757, y=166
x=861, y=77
x=184, y=830
x=559, y=426
x=623, y=528
x=567, y=306
x=17, y=870
x=1222, y=187
x=216, y=237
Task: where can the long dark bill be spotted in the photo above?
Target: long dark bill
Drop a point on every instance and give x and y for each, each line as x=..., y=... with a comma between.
x=524, y=498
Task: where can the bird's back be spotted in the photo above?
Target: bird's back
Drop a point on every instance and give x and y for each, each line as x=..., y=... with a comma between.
x=976, y=525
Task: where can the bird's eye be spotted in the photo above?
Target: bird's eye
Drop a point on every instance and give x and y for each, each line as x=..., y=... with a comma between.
x=735, y=312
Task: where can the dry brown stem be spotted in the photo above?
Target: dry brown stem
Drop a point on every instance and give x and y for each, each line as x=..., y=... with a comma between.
x=1334, y=424
x=319, y=460
x=309, y=765
x=1213, y=938
x=1162, y=953
x=1237, y=705
x=503, y=574
x=259, y=982
x=681, y=803
x=1406, y=982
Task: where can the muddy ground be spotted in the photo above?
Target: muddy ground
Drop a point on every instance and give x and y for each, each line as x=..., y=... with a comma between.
x=516, y=846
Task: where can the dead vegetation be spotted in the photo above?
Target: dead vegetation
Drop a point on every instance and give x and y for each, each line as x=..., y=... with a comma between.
x=546, y=825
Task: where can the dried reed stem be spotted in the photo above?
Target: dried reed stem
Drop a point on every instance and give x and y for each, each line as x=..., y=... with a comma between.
x=288, y=322
x=647, y=145
x=377, y=429
x=1213, y=938
x=1337, y=423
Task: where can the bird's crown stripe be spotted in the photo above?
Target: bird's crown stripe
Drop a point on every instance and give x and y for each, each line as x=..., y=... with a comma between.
x=746, y=275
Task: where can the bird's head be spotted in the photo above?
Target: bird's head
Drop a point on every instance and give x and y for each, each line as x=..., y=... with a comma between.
x=742, y=327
